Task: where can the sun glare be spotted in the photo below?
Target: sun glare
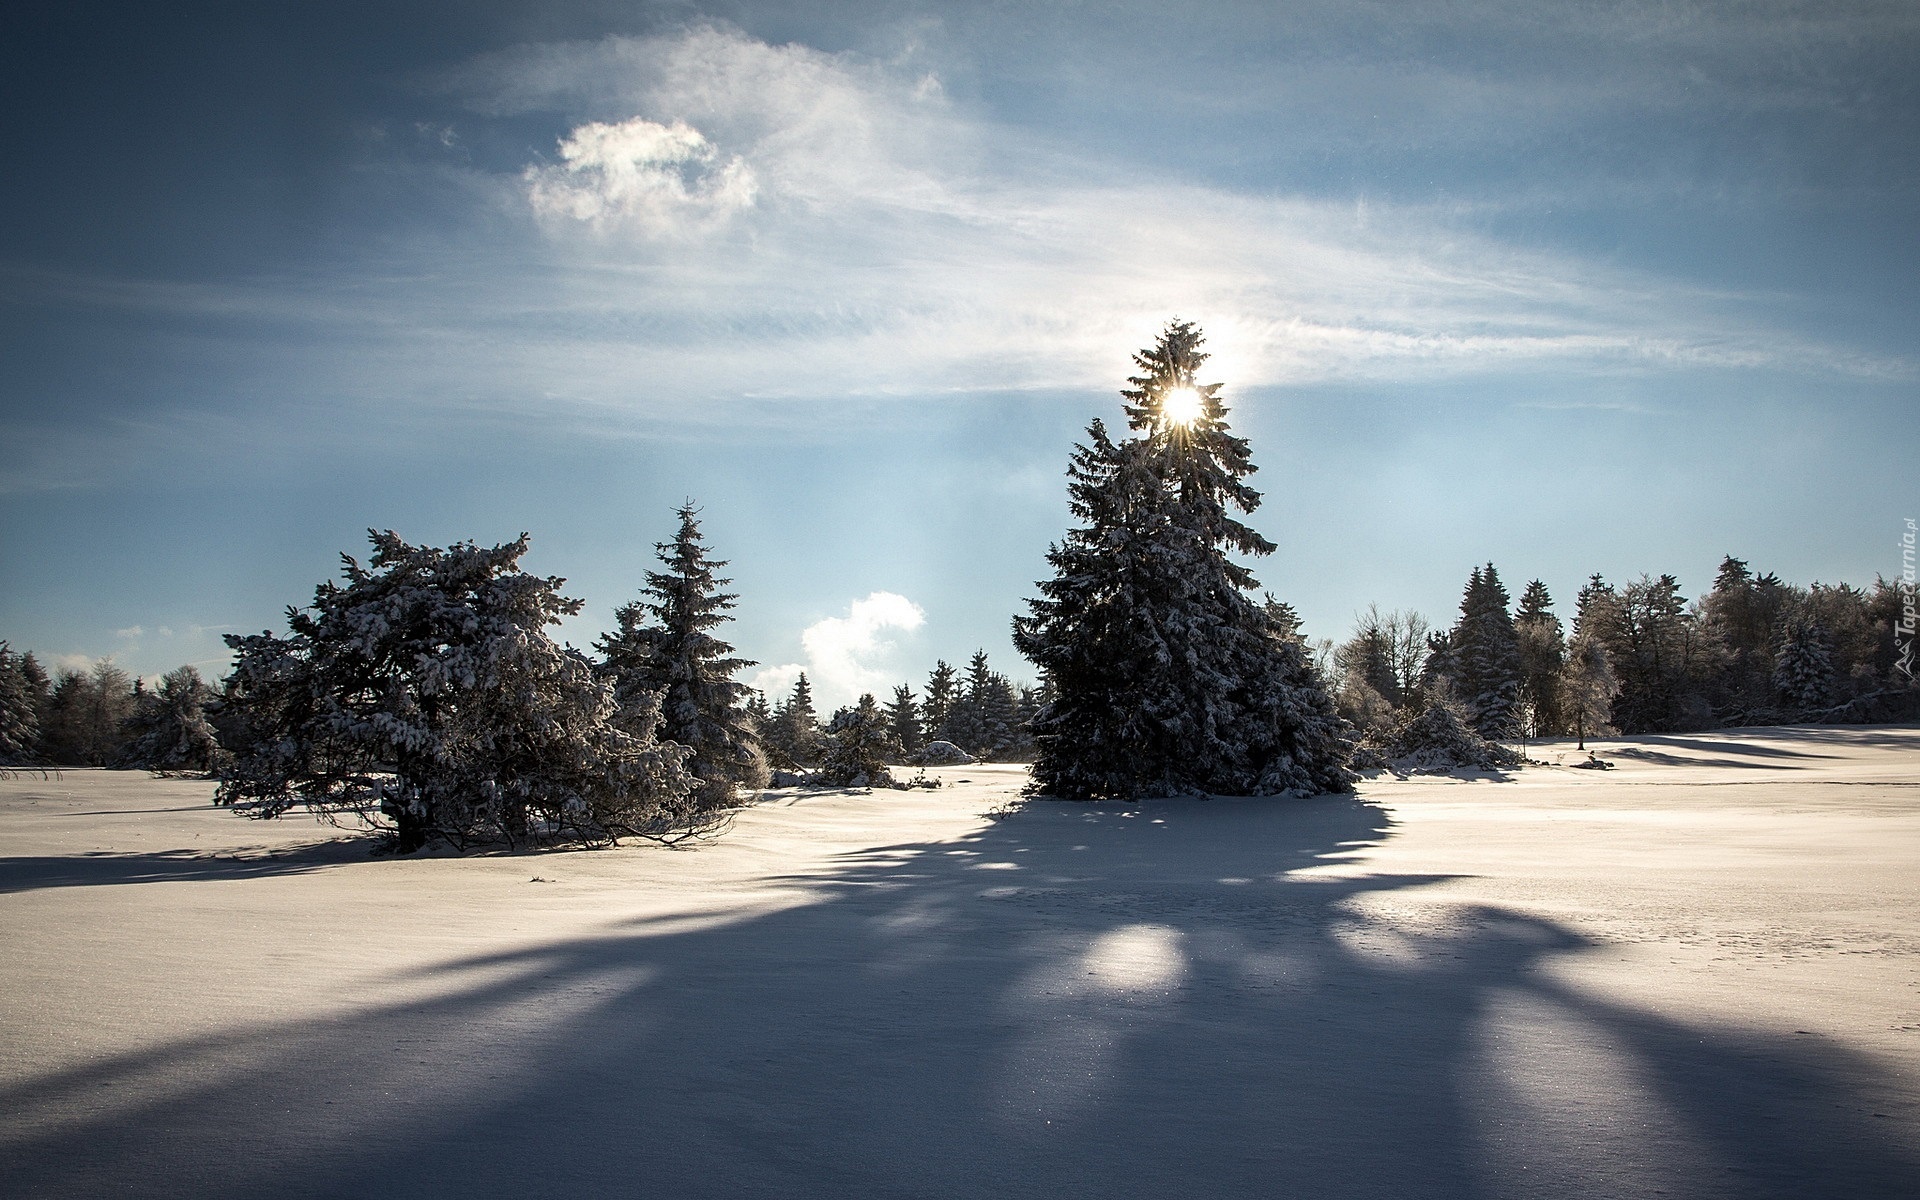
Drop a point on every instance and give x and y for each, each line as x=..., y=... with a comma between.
x=1180, y=406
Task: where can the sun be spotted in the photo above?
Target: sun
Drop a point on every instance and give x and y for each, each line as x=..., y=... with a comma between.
x=1181, y=406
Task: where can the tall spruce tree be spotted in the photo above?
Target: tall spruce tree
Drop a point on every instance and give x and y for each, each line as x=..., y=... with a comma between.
x=1542, y=646
x=903, y=722
x=665, y=646
x=796, y=727
x=1167, y=676
x=990, y=705
x=1487, y=656
x=1803, y=669
x=936, y=704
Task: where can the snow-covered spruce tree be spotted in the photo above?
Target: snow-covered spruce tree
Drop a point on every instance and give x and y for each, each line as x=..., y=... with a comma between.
x=1803, y=669
x=19, y=714
x=1486, y=656
x=988, y=702
x=858, y=742
x=425, y=691
x=1167, y=677
x=755, y=706
x=936, y=704
x=665, y=646
x=795, y=738
x=1542, y=646
x=169, y=730
x=903, y=723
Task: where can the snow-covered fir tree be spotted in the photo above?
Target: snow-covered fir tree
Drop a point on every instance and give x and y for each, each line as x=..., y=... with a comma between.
x=665, y=646
x=858, y=741
x=937, y=702
x=169, y=730
x=425, y=690
x=755, y=706
x=1741, y=616
x=1803, y=672
x=1167, y=676
x=1542, y=646
x=1486, y=656
x=1438, y=664
x=1284, y=618
x=19, y=714
x=795, y=735
x=983, y=718
x=903, y=723
x=965, y=723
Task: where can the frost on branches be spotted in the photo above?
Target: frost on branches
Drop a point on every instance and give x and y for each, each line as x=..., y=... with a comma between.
x=423, y=693
x=1166, y=676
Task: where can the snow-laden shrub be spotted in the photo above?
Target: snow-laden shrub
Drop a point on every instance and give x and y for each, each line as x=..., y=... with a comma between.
x=424, y=694
x=1441, y=739
x=942, y=754
x=860, y=741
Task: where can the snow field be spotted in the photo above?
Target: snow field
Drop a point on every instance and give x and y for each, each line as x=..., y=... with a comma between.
x=1694, y=975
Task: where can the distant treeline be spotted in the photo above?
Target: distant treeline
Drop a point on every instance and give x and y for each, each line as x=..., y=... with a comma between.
x=1638, y=659
x=103, y=717
x=981, y=713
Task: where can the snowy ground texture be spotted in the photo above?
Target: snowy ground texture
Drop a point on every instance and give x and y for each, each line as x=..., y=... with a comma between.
x=1697, y=975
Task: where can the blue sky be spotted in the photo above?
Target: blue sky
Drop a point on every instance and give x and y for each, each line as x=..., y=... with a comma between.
x=1614, y=288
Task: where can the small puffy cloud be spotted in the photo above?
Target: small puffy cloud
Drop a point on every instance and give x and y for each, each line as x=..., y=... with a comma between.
x=131, y=631
x=663, y=180
x=842, y=652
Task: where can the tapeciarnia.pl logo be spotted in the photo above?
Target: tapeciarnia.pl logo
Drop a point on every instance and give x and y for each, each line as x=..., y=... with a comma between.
x=1903, y=632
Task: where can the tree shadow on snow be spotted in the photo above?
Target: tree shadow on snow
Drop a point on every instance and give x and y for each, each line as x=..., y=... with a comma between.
x=28, y=872
x=1074, y=1001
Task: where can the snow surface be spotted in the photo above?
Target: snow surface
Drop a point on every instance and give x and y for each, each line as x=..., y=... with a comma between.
x=1695, y=975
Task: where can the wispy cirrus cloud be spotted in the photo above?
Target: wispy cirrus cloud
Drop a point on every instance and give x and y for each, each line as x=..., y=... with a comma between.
x=897, y=246
x=724, y=231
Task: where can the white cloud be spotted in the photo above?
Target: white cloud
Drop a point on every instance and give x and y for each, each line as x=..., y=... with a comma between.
x=130, y=632
x=662, y=180
x=845, y=654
